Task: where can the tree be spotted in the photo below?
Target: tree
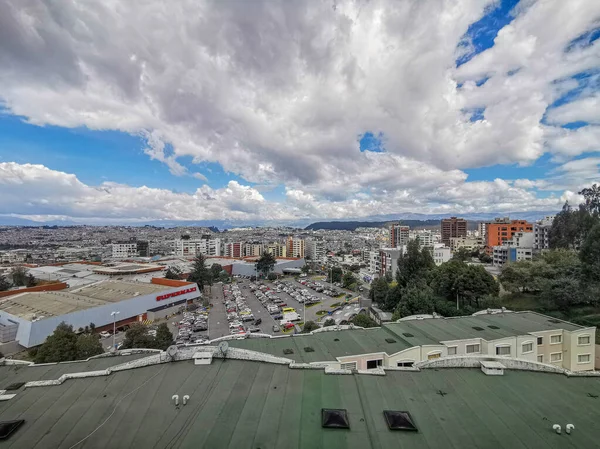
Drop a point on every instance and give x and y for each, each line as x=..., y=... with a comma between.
x=414, y=264
x=19, y=276
x=200, y=274
x=563, y=293
x=379, y=291
x=592, y=199
x=348, y=280
x=61, y=346
x=137, y=337
x=590, y=256
x=334, y=275
x=485, y=258
x=4, y=284
x=329, y=322
x=271, y=276
x=30, y=280
x=309, y=326
x=363, y=320
x=87, y=346
x=462, y=254
x=265, y=263
x=469, y=283
x=173, y=273
x=92, y=327
x=417, y=298
x=164, y=337
x=305, y=269
x=571, y=226
x=215, y=270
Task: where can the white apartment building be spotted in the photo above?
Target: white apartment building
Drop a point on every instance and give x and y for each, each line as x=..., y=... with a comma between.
x=520, y=247
x=398, y=236
x=124, y=250
x=374, y=261
x=441, y=254
x=541, y=233
x=481, y=230
x=315, y=249
x=193, y=247
x=470, y=243
x=425, y=237
x=253, y=249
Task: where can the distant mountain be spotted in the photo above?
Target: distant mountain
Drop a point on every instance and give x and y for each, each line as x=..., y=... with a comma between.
x=352, y=225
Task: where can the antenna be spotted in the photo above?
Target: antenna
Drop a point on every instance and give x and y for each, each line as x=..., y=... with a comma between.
x=223, y=347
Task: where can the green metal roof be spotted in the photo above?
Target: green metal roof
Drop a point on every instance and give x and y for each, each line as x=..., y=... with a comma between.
x=326, y=348
x=435, y=330
x=237, y=404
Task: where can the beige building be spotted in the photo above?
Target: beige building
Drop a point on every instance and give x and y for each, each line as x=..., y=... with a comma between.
x=276, y=249
x=470, y=243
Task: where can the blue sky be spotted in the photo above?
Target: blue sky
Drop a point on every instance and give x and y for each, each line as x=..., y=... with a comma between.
x=363, y=120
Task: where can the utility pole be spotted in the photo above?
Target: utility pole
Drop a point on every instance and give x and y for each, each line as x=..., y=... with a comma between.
x=114, y=315
x=457, y=300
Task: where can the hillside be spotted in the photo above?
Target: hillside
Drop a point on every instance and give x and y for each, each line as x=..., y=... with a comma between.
x=352, y=225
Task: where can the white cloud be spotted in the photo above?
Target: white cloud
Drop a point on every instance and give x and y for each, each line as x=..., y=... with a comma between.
x=278, y=91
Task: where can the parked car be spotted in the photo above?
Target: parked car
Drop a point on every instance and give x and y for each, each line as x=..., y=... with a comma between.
x=253, y=329
x=276, y=328
x=105, y=334
x=258, y=321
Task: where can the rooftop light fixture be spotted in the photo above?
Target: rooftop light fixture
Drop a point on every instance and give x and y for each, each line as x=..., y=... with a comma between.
x=399, y=420
x=332, y=418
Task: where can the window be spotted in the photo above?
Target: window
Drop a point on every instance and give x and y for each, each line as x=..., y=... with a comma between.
x=452, y=350
x=584, y=358
x=372, y=364
x=435, y=355
x=502, y=350
x=555, y=339
x=540, y=341
x=472, y=348
x=583, y=340
x=405, y=364
x=556, y=357
x=349, y=366
x=540, y=358
x=527, y=347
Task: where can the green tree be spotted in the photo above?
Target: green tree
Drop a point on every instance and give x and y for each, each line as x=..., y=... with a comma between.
x=563, y=293
x=19, y=276
x=164, y=337
x=61, y=346
x=379, y=291
x=305, y=269
x=271, y=276
x=590, y=256
x=334, y=275
x=571, y=226
x=417, y=298
x=137, y=337
x=87, y=346
x=4, y=284
x=309, y=326
x=363, y=320
x=414, y=264
x=462, y=254
x=265, y=263
x=329, y=322
x=591, y=197
x=348, y=280
x=215, y=270
x=30, y=280
x=469, y=283
x=92, y=328
x=200, y=274
x=173, y=273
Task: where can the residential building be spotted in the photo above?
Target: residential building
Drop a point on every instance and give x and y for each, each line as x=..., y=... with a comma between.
x=143, y=248
x=425, y=238
x=374, y=262
x=441, y=254
x=389, y=260
x=124, y=250
x=481, y=228
x=469, y=243
x=541, y=232
x=253, y=249
x=295, y=247
x=453, y=227
x=234, y=249
x=276, y=249
x=502, y=230
x=399, y=235
x=519, y=247
x=315, y=249
x=192, y=247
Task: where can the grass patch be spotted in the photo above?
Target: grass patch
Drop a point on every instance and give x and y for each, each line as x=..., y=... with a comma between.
x=287, y=331
x=335, y=304
x=322, y=312
x=312, y=305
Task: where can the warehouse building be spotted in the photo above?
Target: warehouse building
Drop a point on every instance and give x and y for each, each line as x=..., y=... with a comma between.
x=33, y=316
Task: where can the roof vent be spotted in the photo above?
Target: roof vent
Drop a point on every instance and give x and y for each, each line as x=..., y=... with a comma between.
x=406, y=334
x=491, y=326
x=332, y=418
x=390, y=340
x=308, y=349
x=477, y=328
x=397, y=420
x=554, y=320
x=492, y=368
x=288, y=351
x=8, y=427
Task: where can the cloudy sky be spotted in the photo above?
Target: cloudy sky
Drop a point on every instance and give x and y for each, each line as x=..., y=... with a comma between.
x=244, y=109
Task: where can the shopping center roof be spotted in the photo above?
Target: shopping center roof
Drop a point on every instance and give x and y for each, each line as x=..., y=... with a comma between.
x=238, y=404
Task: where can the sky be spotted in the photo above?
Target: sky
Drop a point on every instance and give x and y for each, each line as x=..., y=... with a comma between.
x=146, y=110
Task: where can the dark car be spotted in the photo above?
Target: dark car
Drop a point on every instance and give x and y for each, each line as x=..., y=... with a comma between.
x=278, y=316
x=258, y=321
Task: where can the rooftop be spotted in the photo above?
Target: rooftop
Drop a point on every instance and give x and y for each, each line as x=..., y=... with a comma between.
x=46, y=304
x=238, y=404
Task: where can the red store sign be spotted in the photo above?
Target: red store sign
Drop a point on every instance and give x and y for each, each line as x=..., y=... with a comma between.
x=172, y=295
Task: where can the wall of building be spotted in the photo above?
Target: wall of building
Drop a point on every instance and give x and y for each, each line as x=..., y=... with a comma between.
x=38, y=288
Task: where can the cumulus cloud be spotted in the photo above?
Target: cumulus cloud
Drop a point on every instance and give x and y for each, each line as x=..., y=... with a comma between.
x=278, y=91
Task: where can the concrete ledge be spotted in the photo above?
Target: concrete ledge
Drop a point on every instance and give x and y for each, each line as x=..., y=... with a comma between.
x=329, y=370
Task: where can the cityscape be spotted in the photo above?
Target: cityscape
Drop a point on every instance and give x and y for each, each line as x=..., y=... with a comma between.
x=301, y=224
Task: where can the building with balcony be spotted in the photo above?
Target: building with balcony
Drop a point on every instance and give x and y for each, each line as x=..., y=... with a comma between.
x=453, y=227
x=399, y=236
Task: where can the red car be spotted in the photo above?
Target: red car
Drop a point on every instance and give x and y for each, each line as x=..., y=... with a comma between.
x=231, y=309
x=288, y=325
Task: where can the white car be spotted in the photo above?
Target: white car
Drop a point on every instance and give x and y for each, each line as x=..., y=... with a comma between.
x=104, y=334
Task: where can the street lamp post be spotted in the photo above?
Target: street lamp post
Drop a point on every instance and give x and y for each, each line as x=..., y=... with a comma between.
x=114, y=315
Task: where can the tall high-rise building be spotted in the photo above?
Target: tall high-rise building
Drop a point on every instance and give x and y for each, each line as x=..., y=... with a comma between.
x=399, y=235
x=276, y=249
x=315, y=249
x=234, y=249
x=253, y=249
x=453, y=227
x=501, y=230
x=295, y=247
x=541, y=230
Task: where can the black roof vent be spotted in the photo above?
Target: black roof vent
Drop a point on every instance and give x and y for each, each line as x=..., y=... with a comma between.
x=406, y=334
x=477, y=328
x=308, y=349
x=332, y=418
x=491, y=326
x=288, y=351
x=8, y=427
x=390, y=340
x=15, y=386
x=397, y=420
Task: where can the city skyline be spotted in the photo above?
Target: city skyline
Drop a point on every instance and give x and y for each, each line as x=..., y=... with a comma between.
x=296, y=111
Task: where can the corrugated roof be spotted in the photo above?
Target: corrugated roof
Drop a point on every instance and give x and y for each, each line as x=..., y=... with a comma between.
x=236, y=404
